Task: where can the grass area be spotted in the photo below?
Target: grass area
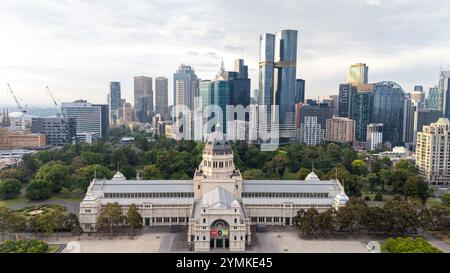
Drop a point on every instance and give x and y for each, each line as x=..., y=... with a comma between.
x=434, y=202
x=24, y=201
x=12, y=202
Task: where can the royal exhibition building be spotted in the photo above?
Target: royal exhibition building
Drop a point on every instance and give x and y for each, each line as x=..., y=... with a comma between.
x=217, y=205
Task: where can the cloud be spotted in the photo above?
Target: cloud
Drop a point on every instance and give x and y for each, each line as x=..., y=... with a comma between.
x=78, y=46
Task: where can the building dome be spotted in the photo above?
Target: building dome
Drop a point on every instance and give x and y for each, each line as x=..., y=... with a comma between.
x=312, y=177
x=119, y=177
x=218, y=145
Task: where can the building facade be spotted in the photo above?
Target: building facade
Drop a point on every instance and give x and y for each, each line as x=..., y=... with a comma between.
x=115, y=101
x=347, y=94
x=58, y=131
x=340, y=130
x=358, y=74
x=311, y=131
x=218, y=207
x=300, y=86
x=388, y=109
x=19, y=139
x=444, y=91
x=433, y=153
x=88, y=117
x=162, y=97
x=433, y=99
x=374, y=136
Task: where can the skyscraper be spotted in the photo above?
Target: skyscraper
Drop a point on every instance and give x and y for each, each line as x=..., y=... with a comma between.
x=284, y=80
x=409, y=108
x=58, y=130
x=104, y=110
x=161, y=97
x=241, y=69
x=358, y=74
x=362, y=113
x=432, y=153
x=433, y=99
x=299, y=91
x=115, y=101
x=388, y=109
x=347, y=93
x=444, y=90
x=277, y=74
x=185, y=89
x=143, y=87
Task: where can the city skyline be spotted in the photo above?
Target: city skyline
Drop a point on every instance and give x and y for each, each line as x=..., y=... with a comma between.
x=77, y=48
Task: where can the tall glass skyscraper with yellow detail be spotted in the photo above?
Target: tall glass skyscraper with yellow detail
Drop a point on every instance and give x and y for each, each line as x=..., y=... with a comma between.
x=358, y=74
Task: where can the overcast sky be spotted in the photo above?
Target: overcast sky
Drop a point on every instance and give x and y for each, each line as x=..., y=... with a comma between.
x=77, y=47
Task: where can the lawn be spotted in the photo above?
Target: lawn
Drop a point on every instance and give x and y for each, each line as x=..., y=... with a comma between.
x=12, y=202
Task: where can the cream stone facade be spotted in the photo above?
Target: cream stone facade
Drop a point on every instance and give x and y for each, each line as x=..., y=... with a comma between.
x=217, y=206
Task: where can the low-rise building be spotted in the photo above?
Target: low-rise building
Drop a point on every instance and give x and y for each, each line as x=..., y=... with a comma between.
x=18, y=139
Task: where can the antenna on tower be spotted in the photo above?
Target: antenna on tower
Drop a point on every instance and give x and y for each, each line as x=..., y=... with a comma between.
x=313, y=166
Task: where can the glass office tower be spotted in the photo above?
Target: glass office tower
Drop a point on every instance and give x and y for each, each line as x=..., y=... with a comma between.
x=388, y=109
x=285, y=71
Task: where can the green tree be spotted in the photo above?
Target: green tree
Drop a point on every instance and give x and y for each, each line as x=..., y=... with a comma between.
x=276, y=166
x=84, y=176
x=253, y=174
x=378, y=197
x=151, y=172
x=302, y=174
x=128, y=171
x=39, y=189
x=110, y=217
x=9, y=188
x=417, y=188
x=446, y=199
x=57, y=174
x=10, y=221
x=307, y=221
x=72, y=223
x=359, y=167
x=134, y=219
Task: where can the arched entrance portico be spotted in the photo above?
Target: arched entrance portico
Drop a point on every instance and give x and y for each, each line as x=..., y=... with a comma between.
x=220, y=234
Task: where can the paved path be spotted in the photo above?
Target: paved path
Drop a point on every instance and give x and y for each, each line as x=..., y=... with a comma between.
x=443, y=246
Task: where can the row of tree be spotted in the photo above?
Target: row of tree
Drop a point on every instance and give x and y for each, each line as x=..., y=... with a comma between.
x=395, y=217
x=112, y=217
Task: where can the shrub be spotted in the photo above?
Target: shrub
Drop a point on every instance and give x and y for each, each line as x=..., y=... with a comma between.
x=9, y=188
x=378, y=197
x=24, y=246
x=408, y=245
x=39, y=189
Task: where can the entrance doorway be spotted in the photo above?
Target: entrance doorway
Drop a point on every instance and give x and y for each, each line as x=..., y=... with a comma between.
x=220, y=234
x=288, y=221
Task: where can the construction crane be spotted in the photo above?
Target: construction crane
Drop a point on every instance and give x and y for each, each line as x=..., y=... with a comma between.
x=19, y=105
x=48, y=92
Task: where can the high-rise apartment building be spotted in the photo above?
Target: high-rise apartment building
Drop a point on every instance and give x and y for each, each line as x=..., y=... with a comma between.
x=311, y=132
x=320, y=110
x=433, y=153
x=347, y=93
x=362, y=113
x=374, y=136
x=341, y=130
x=57, y=130
x=358, y=74
x=161, y=97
